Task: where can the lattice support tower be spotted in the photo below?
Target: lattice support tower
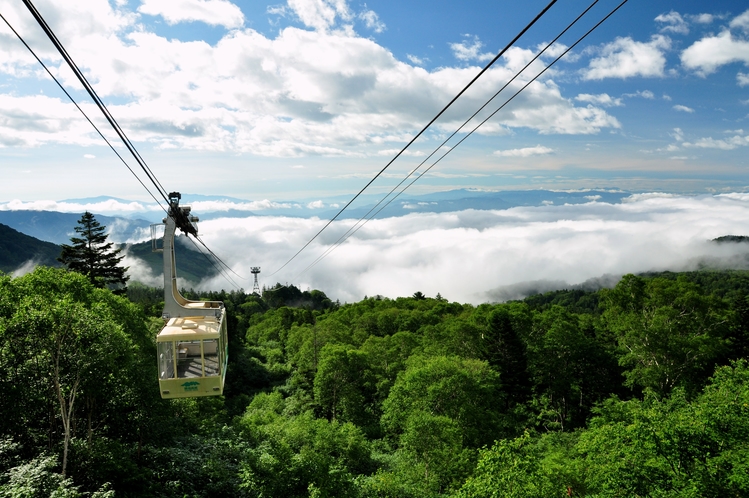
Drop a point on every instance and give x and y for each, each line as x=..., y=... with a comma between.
x=255, y=270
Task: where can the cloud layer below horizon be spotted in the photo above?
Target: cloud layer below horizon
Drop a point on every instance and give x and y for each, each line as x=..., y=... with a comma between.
x=473, y=256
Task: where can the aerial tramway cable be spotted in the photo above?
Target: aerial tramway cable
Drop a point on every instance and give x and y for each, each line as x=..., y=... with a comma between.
x=100, y=104
x=82, y=112
x=364, y=220
x=181, y=221
x=470, y=83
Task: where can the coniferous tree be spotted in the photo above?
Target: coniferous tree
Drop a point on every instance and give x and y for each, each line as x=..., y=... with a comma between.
x=91, y=255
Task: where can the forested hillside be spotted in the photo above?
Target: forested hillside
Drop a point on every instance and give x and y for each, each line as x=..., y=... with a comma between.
x=640, y=390
x=17, y=248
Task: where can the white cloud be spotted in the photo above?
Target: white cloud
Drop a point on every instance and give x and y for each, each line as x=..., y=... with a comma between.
x=213, y=12
x=645, y=94
x=707, y=54
x=626, y=58
x=415, y=60
x=683, y=108
x=729, y=143
x=673, y=23
x=742, y=79
x=741, y=21
x=702, y=18
x=372, y=21
x=602, y=99
x=208, y=206
x=298, y=93
x=470, y=49
x=320, y=14
x=104, y=207
x=489, y=249
x=89, y=156
x=538, y=150
x=316, y=205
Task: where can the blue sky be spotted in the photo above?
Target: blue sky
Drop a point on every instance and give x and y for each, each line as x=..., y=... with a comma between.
x=308, y=98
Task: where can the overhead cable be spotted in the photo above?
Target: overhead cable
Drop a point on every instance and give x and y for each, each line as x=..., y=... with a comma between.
x=180, y=218
x=360, y=224
x=470, y=83
x=83, y=112
x=100, y=104
x=364, y=219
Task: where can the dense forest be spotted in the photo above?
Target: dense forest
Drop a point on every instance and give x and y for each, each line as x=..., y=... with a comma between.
x=639, y=390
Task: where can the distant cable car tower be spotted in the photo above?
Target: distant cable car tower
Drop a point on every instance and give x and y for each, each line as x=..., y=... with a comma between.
x=255, y=286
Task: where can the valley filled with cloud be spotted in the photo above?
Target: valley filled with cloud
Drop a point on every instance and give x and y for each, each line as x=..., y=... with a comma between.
x=474, y=255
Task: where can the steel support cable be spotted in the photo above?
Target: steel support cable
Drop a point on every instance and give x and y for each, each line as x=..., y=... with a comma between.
x=364, y=218
x=100, y=104
x=111, y=121
x=470, y=83
x=219, y=259
x=218, y=268
x=337, y=244
x=158, y=202
x=180, y=218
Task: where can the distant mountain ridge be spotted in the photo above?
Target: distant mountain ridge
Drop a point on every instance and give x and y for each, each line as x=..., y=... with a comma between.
x=57, y=227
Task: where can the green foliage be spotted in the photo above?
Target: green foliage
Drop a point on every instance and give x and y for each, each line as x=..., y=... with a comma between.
x=344, y=386
x=463, y=390
x=609, y=393
x=293, y=455
x=512, y=469
x=669, y=333
x=38, y=479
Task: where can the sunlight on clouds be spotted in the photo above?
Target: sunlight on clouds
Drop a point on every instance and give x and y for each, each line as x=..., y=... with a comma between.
x=213, y=12
x=741, y=21
x=706, y=55
x=464, y=255
x=104, y=207
x=303, y=93
x=538, y=150
x=683, y=108
x=625, y=58
x=320, y=14
x=673, y=23
x=469, y=49
x=723, y=144
x=603, y=99
x=372, y=21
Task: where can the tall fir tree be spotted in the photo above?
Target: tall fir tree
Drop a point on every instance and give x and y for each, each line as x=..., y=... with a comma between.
x=91, y=255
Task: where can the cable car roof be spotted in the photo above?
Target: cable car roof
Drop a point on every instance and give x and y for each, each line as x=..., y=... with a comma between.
x=191, y=328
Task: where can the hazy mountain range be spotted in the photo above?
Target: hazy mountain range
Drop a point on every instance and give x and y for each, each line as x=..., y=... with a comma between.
x=129, y=224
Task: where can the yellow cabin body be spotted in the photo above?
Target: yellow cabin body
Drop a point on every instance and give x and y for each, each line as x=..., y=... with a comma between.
x=191, y=359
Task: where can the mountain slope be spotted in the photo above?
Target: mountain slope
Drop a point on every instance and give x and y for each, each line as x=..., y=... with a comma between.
x=17, y=248
x=191, y=265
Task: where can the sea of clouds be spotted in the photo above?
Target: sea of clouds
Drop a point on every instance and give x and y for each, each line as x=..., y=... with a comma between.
x=480, y=256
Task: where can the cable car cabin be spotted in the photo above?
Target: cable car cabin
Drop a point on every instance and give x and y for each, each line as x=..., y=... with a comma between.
x=191, y=361
x=192, y=347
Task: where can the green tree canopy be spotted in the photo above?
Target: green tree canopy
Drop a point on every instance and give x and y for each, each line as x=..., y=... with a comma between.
x=91, y=255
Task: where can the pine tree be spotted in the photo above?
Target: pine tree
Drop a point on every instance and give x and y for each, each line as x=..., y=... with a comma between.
x=91, y=255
